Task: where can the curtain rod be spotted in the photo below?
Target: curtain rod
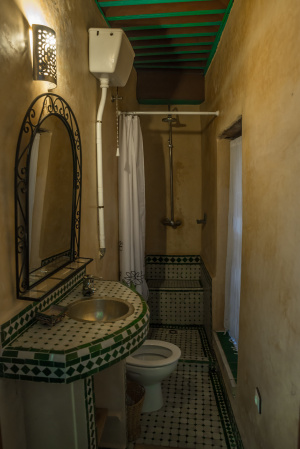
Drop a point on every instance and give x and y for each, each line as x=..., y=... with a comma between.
x=216, y=113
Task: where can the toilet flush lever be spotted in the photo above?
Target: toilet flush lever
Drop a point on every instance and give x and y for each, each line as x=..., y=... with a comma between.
x=203, y=221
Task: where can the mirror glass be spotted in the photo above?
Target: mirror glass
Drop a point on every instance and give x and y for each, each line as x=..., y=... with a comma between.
x=50, y=198
x=48, y=192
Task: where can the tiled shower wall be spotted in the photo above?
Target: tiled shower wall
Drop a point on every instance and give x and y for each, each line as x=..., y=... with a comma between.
x=206, y=282
x=180, y=291
x=173, y=267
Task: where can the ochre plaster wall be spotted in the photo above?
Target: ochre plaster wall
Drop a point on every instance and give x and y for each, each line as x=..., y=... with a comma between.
x=81, y=90
x=71, y=21
x=256, y=74
x=187, y=182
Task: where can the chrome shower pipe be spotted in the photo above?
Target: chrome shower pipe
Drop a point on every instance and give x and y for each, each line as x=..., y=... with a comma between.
x=167, y=221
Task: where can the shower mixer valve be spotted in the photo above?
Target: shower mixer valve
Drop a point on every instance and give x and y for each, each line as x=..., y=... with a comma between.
x=203, y=221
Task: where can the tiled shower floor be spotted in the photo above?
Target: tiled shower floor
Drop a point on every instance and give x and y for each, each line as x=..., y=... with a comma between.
x=194, y=413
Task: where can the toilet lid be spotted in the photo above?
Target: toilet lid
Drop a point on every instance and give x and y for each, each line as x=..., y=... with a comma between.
x=154, y=353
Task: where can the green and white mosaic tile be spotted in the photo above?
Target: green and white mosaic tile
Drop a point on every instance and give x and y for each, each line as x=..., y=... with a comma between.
x=90, y=412
x=174, y=284
x=206, y=282
x=176, y=307
x=191, y=340
x=173, y=267
x=179, y=290
x=73, y=350
x=176, y=295
x=14, y=327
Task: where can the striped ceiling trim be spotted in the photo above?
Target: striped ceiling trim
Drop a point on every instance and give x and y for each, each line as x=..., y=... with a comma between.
x=181, y=31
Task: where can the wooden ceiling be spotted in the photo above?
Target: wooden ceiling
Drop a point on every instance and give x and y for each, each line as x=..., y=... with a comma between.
x=174, y=43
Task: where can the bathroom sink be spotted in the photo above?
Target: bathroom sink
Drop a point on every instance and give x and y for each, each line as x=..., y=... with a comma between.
x=101, y=310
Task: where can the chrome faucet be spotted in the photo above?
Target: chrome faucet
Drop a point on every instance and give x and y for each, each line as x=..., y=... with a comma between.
x=88, y=285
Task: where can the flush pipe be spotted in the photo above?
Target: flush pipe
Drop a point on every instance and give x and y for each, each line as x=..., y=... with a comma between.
x=100, y=204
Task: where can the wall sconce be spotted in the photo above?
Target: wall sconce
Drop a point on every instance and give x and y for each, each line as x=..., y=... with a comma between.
x=44, y=54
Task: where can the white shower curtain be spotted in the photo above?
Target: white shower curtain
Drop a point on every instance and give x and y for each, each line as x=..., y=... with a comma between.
x=132, y=209
x=234, y=243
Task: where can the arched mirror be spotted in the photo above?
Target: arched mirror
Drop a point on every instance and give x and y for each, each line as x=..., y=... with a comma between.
x=47, y=194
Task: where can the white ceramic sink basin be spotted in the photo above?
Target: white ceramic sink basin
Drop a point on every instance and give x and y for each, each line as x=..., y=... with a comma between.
x=101, y=310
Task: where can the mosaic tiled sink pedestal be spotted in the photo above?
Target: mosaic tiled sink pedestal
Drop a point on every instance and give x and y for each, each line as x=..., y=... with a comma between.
x=55, y=415
x=62, y=416
x=54, y=369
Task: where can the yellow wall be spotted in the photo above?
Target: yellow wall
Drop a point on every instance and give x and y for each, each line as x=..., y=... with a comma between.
x=187, y=182
x=81, y=90
x=71, y=21
x=256, y=74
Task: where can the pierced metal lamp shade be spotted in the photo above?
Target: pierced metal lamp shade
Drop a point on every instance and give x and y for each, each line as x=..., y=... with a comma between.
x=44, y=54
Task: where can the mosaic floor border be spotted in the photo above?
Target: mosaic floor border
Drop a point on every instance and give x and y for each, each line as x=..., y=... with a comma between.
x=235, y=429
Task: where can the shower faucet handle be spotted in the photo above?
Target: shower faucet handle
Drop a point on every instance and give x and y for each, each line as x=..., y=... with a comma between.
x=203, y=221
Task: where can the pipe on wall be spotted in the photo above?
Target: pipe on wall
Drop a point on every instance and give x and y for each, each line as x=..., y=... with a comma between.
x=100, y=201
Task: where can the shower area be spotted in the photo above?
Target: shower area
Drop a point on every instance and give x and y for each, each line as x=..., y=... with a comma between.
x=173, y=181
x=173, y=224
x=196, y=412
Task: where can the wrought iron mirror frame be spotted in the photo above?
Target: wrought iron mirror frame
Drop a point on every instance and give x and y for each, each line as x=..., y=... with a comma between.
x=42, y=107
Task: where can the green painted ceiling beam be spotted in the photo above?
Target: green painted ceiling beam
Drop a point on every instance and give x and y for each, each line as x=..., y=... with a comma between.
x=218, y=37
x=172, y=67
x=171, y=36
x=161, y=53
x=173, y=25
x=108, y=4
x=191, y=44
x=157, y=61
x=214, y=43
x=166, y=15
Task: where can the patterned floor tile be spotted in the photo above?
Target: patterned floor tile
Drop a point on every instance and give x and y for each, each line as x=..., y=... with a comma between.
x=193, y=415
x=186, y=339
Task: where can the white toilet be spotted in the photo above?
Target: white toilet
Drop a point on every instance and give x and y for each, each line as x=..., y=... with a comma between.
x=149, y=365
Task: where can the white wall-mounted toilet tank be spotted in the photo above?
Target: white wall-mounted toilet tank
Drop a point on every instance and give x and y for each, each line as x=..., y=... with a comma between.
x=110, y=56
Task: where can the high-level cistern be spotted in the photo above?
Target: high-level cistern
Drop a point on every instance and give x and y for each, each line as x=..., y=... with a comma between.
x=171, y=221
x=110, y=60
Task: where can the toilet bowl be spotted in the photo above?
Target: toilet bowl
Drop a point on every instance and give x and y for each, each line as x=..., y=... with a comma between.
x=149, y=365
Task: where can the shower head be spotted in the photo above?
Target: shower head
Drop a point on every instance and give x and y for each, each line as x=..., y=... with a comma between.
x=173, y=224
x=169, y=119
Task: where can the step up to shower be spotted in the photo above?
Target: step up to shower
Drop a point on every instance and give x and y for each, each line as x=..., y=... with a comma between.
x=176, y=302
x=174, y=284
x=176, y=292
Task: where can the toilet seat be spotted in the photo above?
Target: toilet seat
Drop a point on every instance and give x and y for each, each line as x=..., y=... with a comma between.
x=154, y=353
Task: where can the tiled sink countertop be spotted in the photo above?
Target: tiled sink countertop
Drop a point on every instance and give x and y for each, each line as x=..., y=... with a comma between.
x=73, y=350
